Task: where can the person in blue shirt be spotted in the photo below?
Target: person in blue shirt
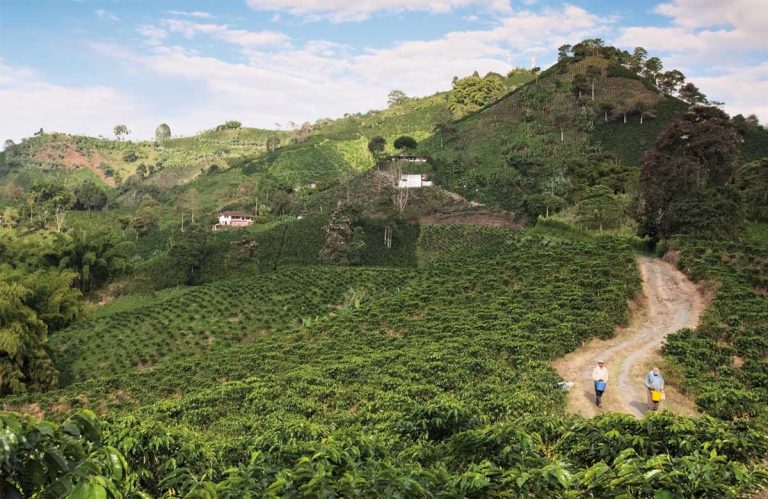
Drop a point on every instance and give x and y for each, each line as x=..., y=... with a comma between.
x=653, y=381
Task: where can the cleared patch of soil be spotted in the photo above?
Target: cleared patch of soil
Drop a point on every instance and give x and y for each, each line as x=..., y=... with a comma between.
x=484, y=218
x=670, y=302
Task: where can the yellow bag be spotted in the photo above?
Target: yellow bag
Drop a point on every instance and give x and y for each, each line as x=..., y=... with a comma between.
x=656, y=395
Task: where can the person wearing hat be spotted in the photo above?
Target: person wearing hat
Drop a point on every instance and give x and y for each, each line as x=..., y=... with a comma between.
x=654, y=381
x=600, y=377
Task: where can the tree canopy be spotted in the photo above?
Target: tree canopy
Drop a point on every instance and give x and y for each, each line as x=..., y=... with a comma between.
x=162, y=132
x=695, y=155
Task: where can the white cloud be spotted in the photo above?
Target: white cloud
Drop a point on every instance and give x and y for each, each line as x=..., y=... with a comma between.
x=744, y=90
x=197, y=13
x=358, y=10
x=320, y=78
x=152, y=34
x=223, y=32
x=104, y=14
x=35, y=103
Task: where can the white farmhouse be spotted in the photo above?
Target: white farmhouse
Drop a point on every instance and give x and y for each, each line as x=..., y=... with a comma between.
x=234, y=219
x=413, y=181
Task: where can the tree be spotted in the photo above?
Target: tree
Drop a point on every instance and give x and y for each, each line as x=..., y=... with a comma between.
x=8, y=145
x=473, y=92
x=670, y=81
x=376, y=147
x=637, y=60
x=120, y=131
x=652, y=69
x=53, y=195
x=691, y=94
x=593, y=74
x=273, y=142
x=695, y=154
x=89, y=196
x=303, y=132
x=580, y=85
x=607, y=107
x=343, y=242
x=599, y=208
x=396, y=97
x=29, y=302
x=95, y=256
x=404, y=143
x=563, y=52
x=187, y=255
x=162, y=132
x=188, y=202
x=752, y=181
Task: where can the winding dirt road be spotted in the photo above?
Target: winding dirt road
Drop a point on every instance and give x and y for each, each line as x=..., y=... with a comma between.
x=670, y=302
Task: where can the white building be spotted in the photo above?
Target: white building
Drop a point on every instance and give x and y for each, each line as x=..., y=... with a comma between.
x=414, y=181
x=234, y=219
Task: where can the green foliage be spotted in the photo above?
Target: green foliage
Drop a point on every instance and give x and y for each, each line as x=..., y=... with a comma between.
x=600, y=208
x=205, y=319
x=43, y=459
x=471, y=93
x=32, y=303
x=684, y=179
x=96, y=256
x=90, y=196
x=344, y=243
x=405, y=142
x=162, y=132
x=752, y=181
x=732, y=327
x=629, y=141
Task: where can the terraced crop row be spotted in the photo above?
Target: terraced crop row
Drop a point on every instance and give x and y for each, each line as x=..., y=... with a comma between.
x=208, y=318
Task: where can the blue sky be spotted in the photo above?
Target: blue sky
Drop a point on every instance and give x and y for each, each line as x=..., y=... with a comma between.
x=84, y=66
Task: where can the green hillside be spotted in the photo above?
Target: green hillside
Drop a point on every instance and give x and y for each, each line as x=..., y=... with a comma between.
x=209, y=318
x=363, y=340
x=440, y=385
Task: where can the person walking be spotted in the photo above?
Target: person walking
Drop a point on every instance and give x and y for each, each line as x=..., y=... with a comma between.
x=600, y=377
x=654, y=381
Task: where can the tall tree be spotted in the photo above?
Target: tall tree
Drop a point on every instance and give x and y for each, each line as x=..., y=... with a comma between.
x=376, y=147
x=694, y=155
x=162, y=132
x=637, y=60
x=691, y=94
x=396, y=97
x=593, y=74
x=652, y=68
x=752, y=181
x=89, y=196
x=405, y=143
x=54, y=196
x=670, y=81
x=563, y=52
x=599, y=208
x=120, y=131
x=343, y=241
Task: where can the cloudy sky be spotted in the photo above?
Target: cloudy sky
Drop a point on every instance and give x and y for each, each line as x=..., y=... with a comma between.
x=83, y=66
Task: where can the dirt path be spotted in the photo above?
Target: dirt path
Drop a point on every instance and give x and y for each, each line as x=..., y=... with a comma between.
x=670, y=302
